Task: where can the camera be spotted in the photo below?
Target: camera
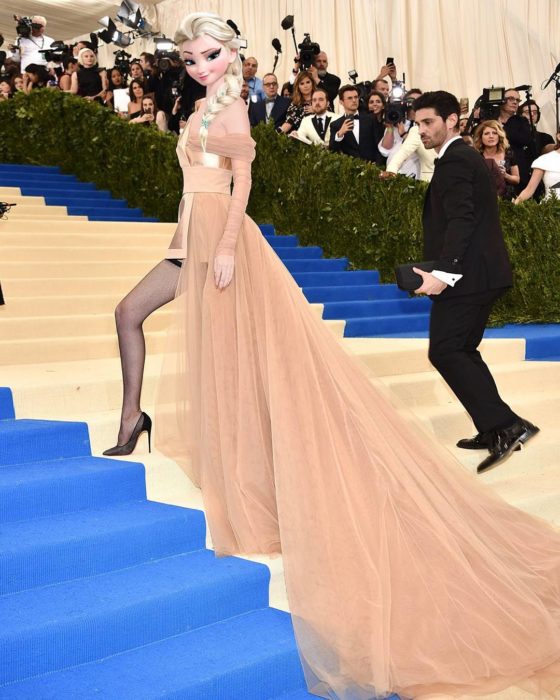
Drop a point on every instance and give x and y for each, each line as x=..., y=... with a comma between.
x=56, y=52
x=24, y=26
x=397, y=107
x=490, y=102
x=308, y=49
x=122, y=61
x=363, y=88
x=165, y=60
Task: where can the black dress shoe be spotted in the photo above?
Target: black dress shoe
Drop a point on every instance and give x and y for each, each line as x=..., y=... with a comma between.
x=505, y=441
x=481, y=441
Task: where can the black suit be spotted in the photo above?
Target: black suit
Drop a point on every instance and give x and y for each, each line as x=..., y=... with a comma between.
x=330, y=83
x=462, y=233
x=366, y=149
x=257, y=111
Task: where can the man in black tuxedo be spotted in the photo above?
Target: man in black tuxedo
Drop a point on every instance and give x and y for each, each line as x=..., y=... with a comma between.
x=273, y=107
x=324, y=79
x=462, y=234
x=354, y=134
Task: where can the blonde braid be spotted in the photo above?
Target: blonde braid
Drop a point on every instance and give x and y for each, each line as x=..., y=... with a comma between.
x=197, y=24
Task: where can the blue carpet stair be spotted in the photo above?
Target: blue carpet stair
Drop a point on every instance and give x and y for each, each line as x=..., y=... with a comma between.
x=58, y=189
x=369, y=308
x=106, y=594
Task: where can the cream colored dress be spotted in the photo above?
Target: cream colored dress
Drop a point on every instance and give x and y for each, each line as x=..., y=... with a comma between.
x=404, y=574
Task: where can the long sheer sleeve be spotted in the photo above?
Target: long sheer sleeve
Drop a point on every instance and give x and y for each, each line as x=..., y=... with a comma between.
x=239, y=198
x=241, y=150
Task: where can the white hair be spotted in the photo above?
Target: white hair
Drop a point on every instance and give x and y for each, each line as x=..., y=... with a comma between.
x=205, y=23
x=81, y=53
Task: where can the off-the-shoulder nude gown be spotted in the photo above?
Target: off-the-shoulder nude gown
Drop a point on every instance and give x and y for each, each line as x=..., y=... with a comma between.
x=404, y=574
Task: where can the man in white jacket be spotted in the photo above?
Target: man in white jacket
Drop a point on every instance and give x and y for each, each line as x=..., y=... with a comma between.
x=315, y=128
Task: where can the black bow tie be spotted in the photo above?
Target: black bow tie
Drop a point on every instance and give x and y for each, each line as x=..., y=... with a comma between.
x=352, y=116
x=436, y=161
x=268, y=100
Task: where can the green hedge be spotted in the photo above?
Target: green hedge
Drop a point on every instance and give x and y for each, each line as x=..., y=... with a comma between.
x=329, y=200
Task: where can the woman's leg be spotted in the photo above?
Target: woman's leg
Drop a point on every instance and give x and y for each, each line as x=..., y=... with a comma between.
x=156, y=289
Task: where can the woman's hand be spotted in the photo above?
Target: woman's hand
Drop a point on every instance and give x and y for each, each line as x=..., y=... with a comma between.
x=223, y=270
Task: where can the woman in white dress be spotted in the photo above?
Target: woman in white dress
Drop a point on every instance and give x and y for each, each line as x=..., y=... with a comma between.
x=547, y=169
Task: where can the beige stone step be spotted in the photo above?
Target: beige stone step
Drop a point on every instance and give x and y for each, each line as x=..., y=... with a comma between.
x=37, y=327
x=48, y=287
x=20, y=199
x=6, y=192
x=38, y=209
x=52, y=349
x=100, y=228
x=39, y=350
x=390, y=356
x=82, y=254
x=519, y=378
x=450, y=422
x=50, y=219
x=82, y=387
x=53, y=239
x=25, y=307
x=114, y=268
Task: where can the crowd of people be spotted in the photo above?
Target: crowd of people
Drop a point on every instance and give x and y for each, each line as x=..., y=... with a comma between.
x=313, y=107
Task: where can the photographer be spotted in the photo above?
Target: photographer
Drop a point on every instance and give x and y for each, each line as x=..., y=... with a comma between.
x=382, y=86
x=519, y=134
x=89, y=81
x=150, y=114
x=354, y=133
x=185, y=94
x=36, y=41
x=531, y=112
x=148, y=63
x=171, y=77
x=395, y=135
x=323, y=79
x=412, y=146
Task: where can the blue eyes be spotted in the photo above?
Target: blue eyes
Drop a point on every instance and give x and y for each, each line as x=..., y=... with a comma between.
x=210, y=57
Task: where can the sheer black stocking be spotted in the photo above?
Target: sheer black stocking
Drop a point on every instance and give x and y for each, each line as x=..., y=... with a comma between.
x=156, y=289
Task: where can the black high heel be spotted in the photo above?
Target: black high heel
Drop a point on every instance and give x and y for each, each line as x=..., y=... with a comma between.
x=144, y=425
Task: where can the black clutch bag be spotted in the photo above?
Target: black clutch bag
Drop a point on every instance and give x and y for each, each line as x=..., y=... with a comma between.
x=407, y=280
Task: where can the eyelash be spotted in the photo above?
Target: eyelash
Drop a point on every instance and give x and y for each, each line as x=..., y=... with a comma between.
x=210, y=57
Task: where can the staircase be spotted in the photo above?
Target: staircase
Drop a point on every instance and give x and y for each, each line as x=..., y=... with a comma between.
x=108, y=587
x=104, y=593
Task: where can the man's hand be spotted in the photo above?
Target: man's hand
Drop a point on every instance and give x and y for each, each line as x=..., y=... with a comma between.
x=430, y=284
x=383, y=72
x=223, y=270
x=315, y=73
x=347, y=125
x=385, y=175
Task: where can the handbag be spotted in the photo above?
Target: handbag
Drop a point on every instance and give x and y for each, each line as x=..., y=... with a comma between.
x=407, y=279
